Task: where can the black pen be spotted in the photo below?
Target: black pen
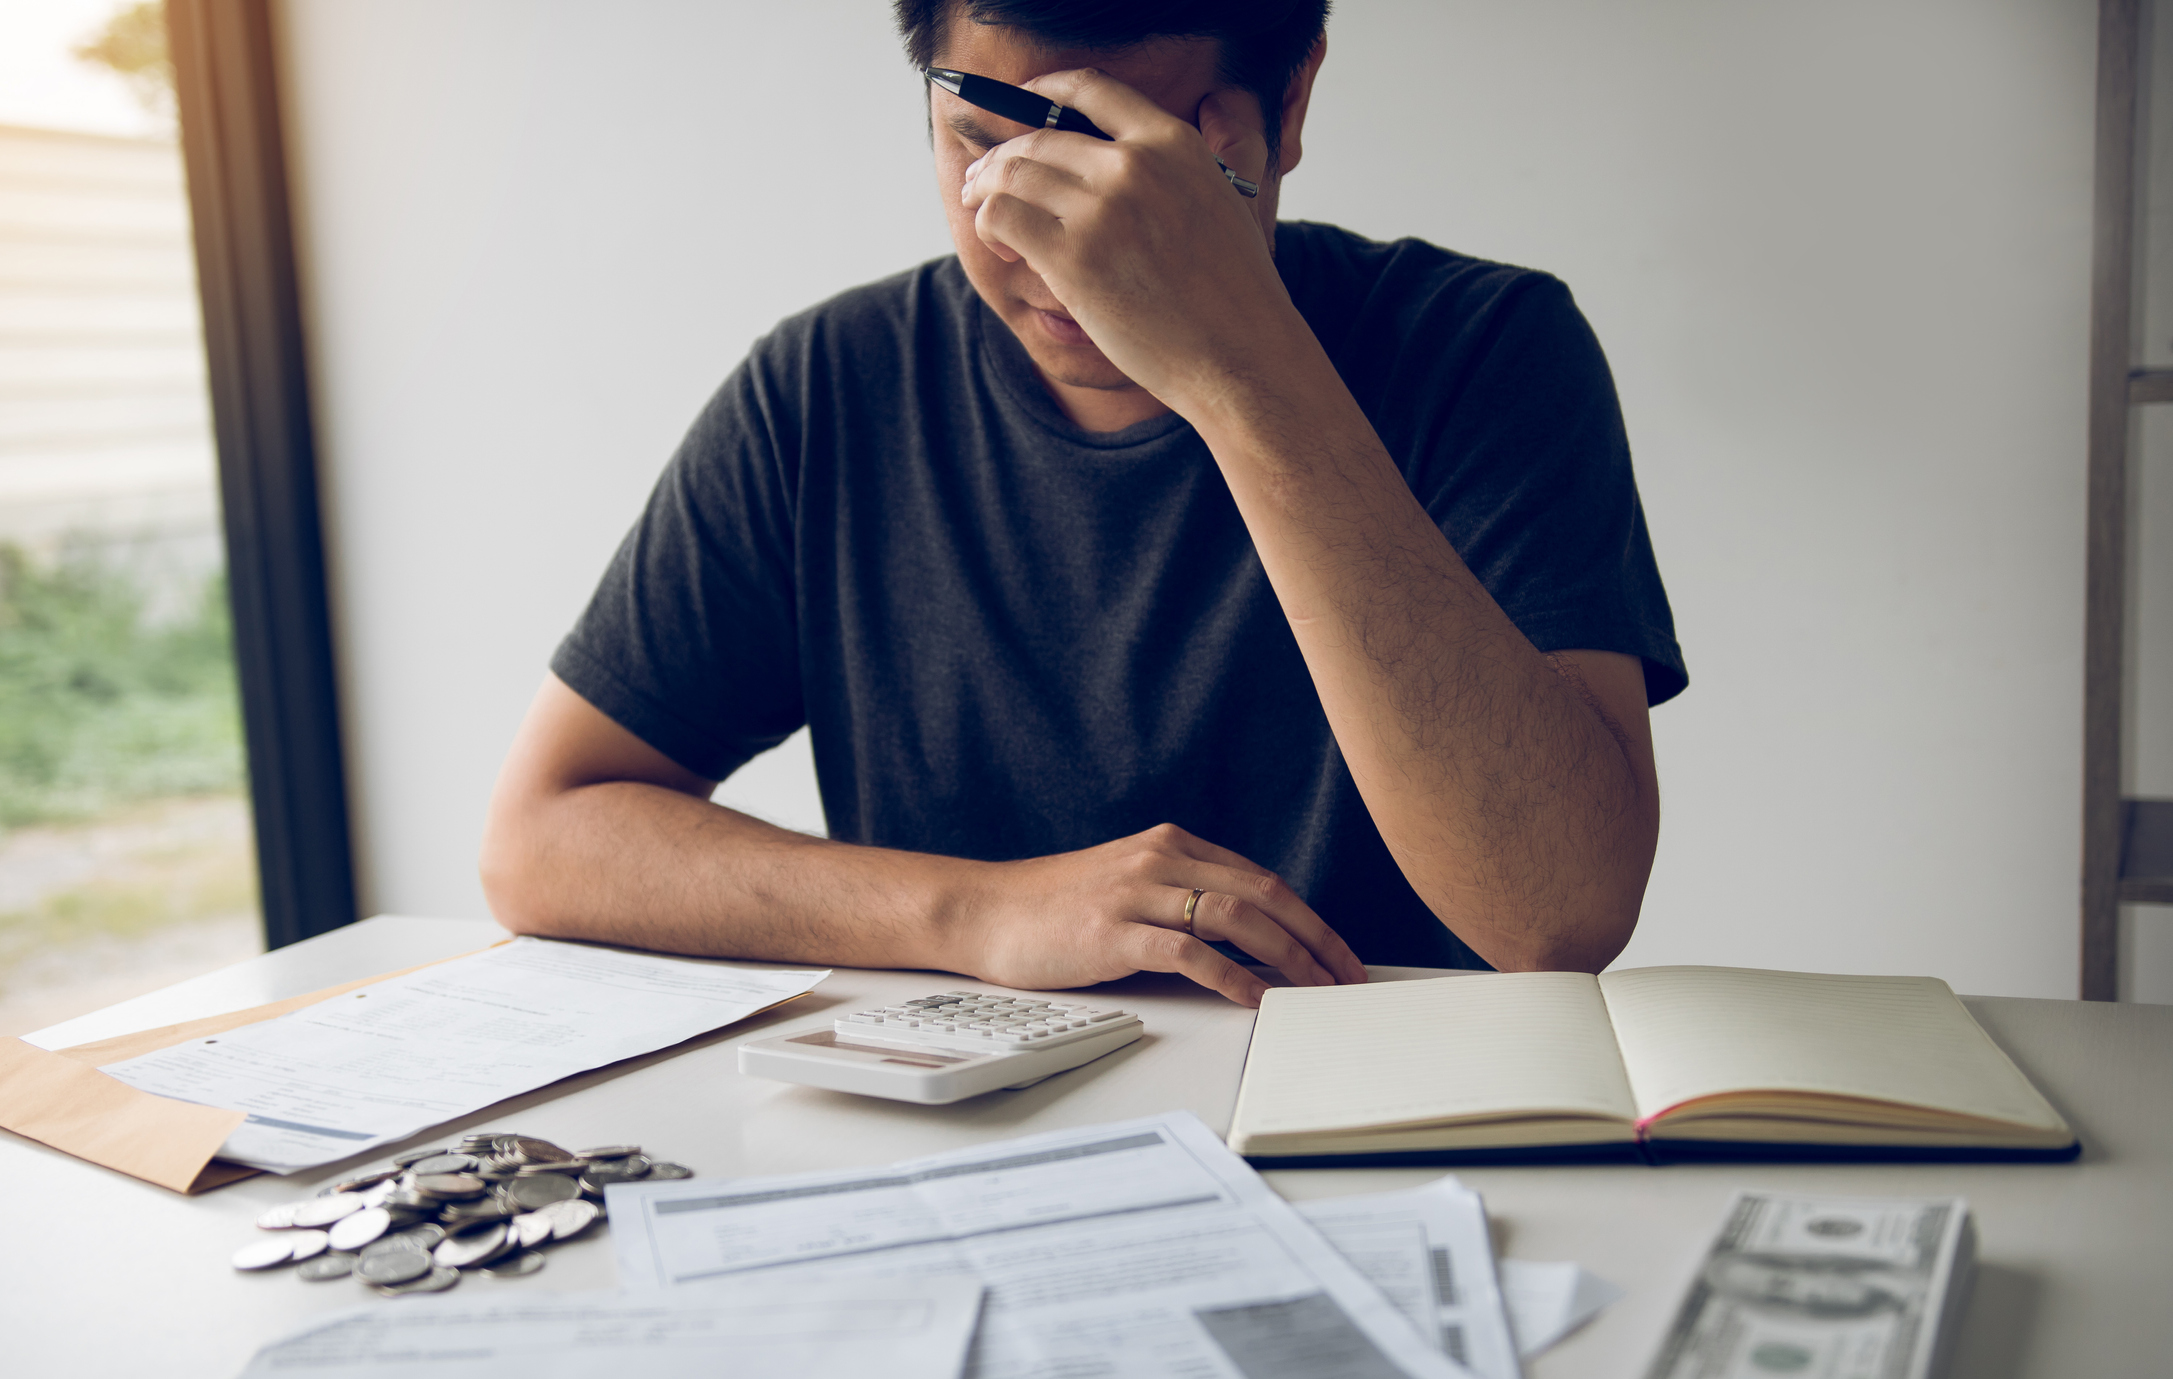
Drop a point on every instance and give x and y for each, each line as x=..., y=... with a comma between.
x=1022, y=106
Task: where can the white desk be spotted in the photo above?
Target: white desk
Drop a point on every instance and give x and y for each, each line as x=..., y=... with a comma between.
x=102, y=1275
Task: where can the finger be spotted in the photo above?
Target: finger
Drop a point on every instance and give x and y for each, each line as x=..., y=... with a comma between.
x=1015, y=229
x=1226, y=919
x=1055, y=189
x=1236, y=134
x=1248, y=881
x=1194, y=846
x=1162, y=950
x=1116, y=109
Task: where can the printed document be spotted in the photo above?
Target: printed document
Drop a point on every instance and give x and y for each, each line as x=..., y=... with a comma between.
x=896, y=1328
x=1548, y=1300
x=1144, y=1248
x=343, y=1076
x=1428, y=1251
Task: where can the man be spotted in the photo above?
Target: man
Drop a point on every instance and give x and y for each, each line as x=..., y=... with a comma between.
x=1152, y=577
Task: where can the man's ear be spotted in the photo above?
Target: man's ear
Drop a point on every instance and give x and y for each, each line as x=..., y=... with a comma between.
x=1297, y=97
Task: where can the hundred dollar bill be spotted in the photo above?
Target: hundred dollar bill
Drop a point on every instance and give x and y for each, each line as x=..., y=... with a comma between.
x=1825, y=1288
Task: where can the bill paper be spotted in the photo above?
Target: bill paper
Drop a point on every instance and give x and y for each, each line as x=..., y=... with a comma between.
x=339, y=1078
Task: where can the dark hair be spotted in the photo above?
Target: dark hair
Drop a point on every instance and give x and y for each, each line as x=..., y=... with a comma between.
x=1263, y=42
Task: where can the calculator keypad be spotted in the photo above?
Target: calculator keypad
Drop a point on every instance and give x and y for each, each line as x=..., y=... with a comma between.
x=954, y=1018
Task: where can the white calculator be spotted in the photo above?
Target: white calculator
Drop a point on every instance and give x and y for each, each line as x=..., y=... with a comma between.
x=945, y=1047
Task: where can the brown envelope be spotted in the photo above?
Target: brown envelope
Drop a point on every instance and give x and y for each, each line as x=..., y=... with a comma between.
x=61, y=1099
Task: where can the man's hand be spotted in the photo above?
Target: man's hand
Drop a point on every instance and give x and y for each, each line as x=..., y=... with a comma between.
x=1143, y=240
x=594, y=834
x=1109, y=911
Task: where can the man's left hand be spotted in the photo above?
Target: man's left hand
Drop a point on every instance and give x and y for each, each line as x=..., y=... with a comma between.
x=1144, y=241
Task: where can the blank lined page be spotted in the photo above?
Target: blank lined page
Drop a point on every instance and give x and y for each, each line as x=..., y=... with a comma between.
x=1390, y=1053
x=1689, y=1032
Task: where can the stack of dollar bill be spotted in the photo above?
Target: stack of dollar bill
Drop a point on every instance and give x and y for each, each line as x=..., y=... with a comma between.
x=1839, y=1288
x=487, y=1205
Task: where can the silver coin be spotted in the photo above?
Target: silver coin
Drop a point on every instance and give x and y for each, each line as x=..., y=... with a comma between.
x=624, y=1170
x=443, y=1163
x=471, y=1246
x=279, y=1217
x=543, y=1189
x=353, y=1232
x=531, y=1230
x=367, y=1180
x=424, y=1237
x=393, y=1266
x=309, y=1244
x=537, y=1151
x=396, y=1244
x=517, y=1265
x=615, y=1151
x=436, y=1281
x=415, y=1156
x=482, y=1209
x=669, y=1170
x=327, y=1266
x=378, y=1194
x=569, y=1218
x=448, y=1186
x=323, y=1211
x=263, y=1254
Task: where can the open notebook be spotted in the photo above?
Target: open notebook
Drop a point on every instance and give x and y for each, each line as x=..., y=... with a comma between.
x=1656, y=1063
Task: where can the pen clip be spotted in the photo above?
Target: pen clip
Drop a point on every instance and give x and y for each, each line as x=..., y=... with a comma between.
x=1245, y=186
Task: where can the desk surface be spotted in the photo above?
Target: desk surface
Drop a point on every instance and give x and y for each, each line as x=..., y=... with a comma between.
x=102, y=1275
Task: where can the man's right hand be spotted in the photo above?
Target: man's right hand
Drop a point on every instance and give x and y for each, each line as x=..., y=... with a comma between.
x=1109, y=911
x=594, y=834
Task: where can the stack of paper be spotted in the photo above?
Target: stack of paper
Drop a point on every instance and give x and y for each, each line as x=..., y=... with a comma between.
x=1141, y=1248
x=1144, y=1248
x=1430, y=1253
x=378, y=1064
x=900, y=1329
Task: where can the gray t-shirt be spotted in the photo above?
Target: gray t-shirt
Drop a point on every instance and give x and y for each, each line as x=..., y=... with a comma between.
x=1011, y=637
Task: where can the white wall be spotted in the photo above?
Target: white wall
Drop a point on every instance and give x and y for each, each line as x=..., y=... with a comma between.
x=1839, y=255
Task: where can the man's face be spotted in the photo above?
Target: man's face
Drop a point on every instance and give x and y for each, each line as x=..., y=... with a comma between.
x=1175, y=74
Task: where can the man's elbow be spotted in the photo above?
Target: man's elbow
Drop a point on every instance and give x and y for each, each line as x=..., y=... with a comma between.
x=1525, y=941
x=511, y=869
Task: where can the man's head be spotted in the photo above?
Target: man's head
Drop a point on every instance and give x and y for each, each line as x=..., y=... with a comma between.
x=1260, y=44
x=1255, y=56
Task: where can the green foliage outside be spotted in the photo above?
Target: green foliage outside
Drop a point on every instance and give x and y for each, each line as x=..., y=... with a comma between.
x=133, y=45
x=99, y=706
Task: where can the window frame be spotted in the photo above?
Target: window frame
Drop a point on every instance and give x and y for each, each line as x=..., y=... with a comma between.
x=227, y=96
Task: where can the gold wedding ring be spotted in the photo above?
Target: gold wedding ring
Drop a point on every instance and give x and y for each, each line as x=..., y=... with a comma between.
x=1192, y=903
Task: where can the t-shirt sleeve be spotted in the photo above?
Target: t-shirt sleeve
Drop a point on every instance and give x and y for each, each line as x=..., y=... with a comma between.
x=690, y=641
x=1524, y=464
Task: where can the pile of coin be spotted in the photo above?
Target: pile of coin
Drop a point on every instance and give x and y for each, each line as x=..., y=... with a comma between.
x=486, y=1205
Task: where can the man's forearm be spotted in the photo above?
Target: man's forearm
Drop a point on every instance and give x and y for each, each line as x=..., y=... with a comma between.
x=651, y=867
x=595, y=834
x=1502, y=790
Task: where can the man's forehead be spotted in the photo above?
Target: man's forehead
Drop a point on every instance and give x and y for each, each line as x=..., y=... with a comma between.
x=1172, y=72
